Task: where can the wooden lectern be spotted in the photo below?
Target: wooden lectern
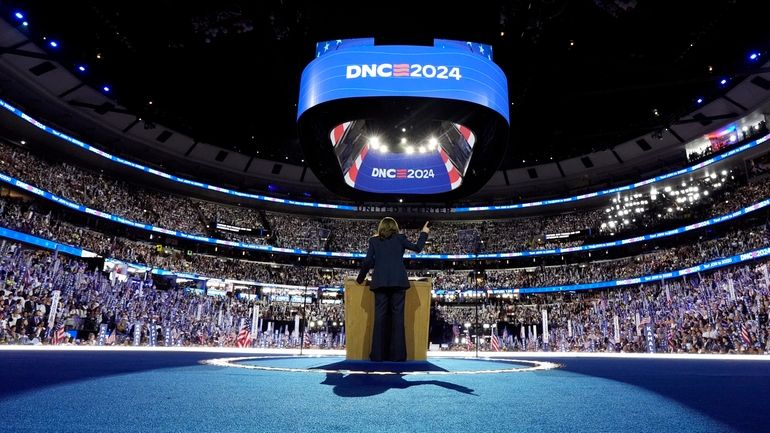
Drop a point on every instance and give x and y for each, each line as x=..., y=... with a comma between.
x=359, y=320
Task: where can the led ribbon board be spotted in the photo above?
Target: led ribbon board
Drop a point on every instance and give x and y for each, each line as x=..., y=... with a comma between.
x=403, y=119
x=356, y=68
x=297, y=251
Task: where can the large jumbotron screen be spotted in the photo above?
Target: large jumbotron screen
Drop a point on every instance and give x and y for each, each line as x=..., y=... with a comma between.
x=411, y=120
x=375, y=161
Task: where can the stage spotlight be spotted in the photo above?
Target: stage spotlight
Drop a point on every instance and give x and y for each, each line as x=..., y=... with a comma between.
x=54, y=44
x=432, y=143
x=24, y=23
x=409, y=150
x=754, y=56
x=403, y=140
x=106, y=89
x=421, y=149
x=383, y=148
x=19, y=15
x=699, y=100
x=81, y=68
x=723, y=81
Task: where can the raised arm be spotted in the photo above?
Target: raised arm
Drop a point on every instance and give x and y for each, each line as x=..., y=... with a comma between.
x=416, y=247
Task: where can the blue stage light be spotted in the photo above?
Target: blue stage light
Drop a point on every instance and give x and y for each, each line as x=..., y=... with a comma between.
x=54, y=44
x=699, y=100
x=81, y=68
x=723, y=81
x=106, y=88
x=25, y=24
x=754, y=56
x=19, y=15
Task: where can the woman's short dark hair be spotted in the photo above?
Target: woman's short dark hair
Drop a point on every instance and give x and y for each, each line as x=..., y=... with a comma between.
x=387, y=227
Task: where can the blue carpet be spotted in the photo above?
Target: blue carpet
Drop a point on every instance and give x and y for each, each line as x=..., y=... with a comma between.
x=79, y=392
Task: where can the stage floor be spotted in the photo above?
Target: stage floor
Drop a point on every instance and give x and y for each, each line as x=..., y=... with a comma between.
x=109, y=390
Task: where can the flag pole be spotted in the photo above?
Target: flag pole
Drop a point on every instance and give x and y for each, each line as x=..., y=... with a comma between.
x=476, y=295
x=303, y=318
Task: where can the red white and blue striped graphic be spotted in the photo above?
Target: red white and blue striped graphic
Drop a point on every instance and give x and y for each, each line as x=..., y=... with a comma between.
x=352, y=174
x=338, y=132
x=467, y=134
x=401, y=70
x=455, y=179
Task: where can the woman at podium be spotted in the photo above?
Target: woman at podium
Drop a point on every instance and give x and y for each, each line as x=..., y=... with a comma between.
x=389, y=283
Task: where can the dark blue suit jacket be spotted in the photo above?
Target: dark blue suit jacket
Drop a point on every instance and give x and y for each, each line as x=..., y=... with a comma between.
x=386, y=256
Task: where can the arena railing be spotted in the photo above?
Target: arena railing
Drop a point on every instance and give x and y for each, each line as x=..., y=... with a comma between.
x=45, y=243
x=265, y=198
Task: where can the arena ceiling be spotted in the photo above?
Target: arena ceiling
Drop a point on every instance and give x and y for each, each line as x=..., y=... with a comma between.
x=583, y=75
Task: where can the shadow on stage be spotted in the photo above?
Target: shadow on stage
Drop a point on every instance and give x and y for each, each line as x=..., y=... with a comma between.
x=365, y=385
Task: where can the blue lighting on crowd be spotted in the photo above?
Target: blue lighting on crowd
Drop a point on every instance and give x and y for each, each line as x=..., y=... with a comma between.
x=243, y=245
x=44, y=243
x=19, y=15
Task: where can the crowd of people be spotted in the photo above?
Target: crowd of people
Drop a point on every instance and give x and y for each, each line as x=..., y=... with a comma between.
x=134, y=308
x=104, y=193
x=23, y=217
x=724, y=311
x=717, y=144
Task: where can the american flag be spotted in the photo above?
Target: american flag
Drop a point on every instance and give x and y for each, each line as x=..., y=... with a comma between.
x=59, y=336
x=745, y=336
x=494, y=343
x=244, y=337
x=471, y=344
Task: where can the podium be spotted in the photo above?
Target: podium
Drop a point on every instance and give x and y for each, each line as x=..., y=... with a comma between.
x=359, y=320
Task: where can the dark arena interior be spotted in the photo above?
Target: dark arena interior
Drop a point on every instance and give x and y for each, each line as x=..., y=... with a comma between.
x=189, y=192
